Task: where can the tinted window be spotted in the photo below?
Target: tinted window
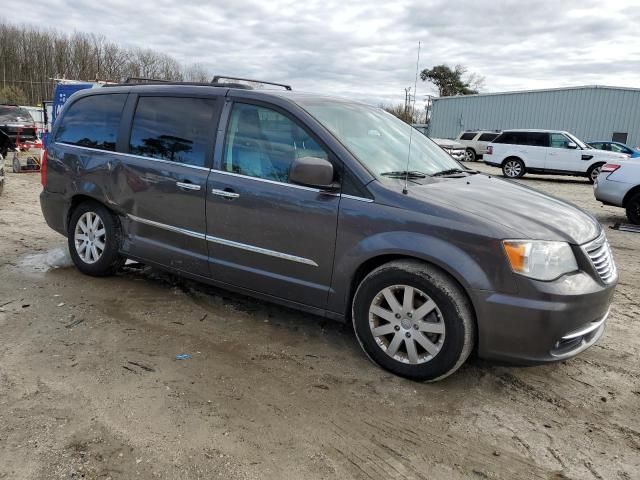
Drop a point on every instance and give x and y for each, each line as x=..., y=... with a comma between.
x=174, y=129
x=263, y=143
x=534, y=139
x=92, y=122
x=487, y=137
x=468, y=136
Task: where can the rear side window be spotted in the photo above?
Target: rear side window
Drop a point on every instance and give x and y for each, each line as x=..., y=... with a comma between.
x=174, y=129
x=534, y=139
x=487, y=137
x=468, y=136
x=92, y=122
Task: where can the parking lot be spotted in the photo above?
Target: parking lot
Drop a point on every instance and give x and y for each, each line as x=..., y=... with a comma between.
x=90, y=386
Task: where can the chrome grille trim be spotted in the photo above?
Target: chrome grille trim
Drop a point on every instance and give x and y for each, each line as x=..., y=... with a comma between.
x=599, y=253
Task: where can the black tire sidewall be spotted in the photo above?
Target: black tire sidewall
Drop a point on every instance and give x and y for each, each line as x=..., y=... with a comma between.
x=591, y=169
x=513, y=160
x=632, y=209
x=111, y=258
x=472, y=155
x=453, y=345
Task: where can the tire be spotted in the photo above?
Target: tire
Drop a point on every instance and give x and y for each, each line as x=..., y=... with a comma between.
x=593, y=172
x=2, y=178
x=448, y=327
x=16, y=164
x=513, y=168
x=92, y=259
x=633, y=209
x=470, y=155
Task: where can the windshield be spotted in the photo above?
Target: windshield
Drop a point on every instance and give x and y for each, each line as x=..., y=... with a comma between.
x=579, y=142
x=379, y=140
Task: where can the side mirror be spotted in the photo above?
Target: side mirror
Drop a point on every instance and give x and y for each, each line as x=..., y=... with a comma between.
x=312, y=172
x=572, y=145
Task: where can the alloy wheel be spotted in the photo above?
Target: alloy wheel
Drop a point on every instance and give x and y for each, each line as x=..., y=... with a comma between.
x=406, y=324
x=512, y=168
x=594, y=173
x=90, y=237
x=468, y=156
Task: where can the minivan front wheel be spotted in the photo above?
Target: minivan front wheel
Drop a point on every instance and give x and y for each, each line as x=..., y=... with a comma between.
x=413, y=320
x=513, y=168
x=94, y=236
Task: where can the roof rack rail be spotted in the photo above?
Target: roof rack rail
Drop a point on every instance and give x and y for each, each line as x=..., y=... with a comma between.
x=145, y=80
x=217, y=78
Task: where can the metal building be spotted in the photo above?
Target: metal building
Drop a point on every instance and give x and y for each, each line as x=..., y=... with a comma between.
x=590, y=112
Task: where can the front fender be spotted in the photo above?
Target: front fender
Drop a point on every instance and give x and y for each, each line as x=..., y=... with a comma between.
x=461, y=259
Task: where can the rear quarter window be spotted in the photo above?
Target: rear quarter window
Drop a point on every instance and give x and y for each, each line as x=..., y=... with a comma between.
x=487, y=137
x=92, y=122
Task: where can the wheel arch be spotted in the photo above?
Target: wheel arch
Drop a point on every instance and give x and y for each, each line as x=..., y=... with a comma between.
x=371, y=264
x=80, y=198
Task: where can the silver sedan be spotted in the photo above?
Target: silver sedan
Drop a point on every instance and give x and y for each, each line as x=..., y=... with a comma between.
x=619, y=185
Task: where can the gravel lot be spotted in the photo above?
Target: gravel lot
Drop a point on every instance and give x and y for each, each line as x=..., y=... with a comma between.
x=90, y=387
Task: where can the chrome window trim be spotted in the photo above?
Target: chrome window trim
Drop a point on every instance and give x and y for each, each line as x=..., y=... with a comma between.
x=233, y=174
x=141, y=157
x=222, y=241
x=273, y=182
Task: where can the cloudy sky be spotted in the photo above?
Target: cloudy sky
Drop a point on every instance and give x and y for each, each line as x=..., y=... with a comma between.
x=367, y=49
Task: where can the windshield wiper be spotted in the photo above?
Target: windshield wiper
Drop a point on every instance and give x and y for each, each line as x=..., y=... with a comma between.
x=402, y=174
x=451, y=171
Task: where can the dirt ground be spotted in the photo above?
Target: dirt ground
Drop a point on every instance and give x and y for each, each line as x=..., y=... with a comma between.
x=90, y=386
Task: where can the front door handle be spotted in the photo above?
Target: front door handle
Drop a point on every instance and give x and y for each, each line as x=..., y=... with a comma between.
x=188, y=186
x=225, y=193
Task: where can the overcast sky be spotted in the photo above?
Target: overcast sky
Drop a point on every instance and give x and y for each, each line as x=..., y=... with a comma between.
x=367, y=49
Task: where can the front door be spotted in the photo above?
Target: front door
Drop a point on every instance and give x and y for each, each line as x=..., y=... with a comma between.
x=561, y=157
x=161, y=183
x=266, y=234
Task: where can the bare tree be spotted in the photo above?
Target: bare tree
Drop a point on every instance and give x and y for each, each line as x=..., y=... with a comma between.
x=30, y=57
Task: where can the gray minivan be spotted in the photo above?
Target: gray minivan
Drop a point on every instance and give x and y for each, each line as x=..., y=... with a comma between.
x=329, y=206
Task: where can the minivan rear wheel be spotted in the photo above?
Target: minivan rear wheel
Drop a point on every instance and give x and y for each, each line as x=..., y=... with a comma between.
x=413, y=320
x=94, y=235
x=513, y=168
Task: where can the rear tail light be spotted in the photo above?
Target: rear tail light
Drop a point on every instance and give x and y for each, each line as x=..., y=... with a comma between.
x=610, y=168
x=489, y=150
x=43, y=169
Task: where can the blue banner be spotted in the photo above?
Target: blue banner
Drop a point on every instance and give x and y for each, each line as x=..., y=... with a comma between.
x=62, y=93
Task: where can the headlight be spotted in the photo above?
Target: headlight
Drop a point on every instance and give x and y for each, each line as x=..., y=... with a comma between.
x=540, y=260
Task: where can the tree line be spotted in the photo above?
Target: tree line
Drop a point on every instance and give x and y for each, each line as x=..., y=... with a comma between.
x=31, y=57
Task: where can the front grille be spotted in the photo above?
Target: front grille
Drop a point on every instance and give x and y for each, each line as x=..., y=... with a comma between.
x=601, y=258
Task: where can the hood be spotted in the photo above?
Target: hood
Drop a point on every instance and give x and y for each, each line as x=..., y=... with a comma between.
x=604, y=154
x=527, y=212
x=445, y=143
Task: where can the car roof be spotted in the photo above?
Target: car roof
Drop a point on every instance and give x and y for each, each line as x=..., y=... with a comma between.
x=533, y=130
x=214, y=90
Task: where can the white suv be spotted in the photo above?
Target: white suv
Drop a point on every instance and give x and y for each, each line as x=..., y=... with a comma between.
x=476, y=142
x=546, y=151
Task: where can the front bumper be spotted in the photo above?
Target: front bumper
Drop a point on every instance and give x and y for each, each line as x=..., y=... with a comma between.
x=548, y=322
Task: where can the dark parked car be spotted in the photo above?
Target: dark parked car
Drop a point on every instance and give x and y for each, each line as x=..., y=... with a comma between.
x=320, y=204
x=17, y=123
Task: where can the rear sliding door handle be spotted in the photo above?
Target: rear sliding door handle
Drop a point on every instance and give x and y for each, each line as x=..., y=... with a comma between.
x=224, y=193
x=188, y=186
